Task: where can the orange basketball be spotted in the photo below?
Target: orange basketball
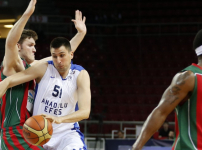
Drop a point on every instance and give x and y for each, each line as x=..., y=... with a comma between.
x=37, y=130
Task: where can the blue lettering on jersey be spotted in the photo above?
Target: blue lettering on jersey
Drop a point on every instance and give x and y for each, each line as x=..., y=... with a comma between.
x=46, y=107
x=43, y=101
x=47, y=101
x=50, y=104
x=57, y=91
x=50, y=110
x=53, y=107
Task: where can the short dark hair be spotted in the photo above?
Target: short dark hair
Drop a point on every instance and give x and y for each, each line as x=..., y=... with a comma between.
x=166, y=122
x=26, y=33
x=60, y=41
x=197, y=40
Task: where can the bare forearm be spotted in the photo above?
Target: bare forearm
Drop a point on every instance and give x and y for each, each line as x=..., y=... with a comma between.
x=152, y=124
x=76, y=116
x=7, y=83
x=76, y=40
x=15, y=33
x=25, y=76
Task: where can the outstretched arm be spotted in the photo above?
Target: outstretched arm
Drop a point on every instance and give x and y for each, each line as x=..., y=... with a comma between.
x=11, y=50
x=84, y=102
x=23, y=76
x=182, y=84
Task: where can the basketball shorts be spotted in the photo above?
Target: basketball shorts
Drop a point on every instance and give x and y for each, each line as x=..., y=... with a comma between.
x=71, y=140
x=12, y=139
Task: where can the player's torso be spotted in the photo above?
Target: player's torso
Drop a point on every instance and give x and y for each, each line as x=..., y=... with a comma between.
x=189, y=116
x=54, y=95
x=16, y=104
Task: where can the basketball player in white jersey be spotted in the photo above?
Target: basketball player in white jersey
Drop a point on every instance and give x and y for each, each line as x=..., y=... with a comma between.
x=61, y=85
x=20, y=44
x=19, y=55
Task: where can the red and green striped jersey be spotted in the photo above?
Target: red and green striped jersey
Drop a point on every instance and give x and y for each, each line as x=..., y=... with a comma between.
x=188, y=122
x=15, y=102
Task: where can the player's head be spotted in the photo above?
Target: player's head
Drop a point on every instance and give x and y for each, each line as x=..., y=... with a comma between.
x=197, y=44
x=26, y=45
x=62, y=54
x=166, y=125
x=120, y=134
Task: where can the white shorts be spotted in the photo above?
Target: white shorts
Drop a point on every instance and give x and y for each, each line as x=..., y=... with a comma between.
x=72, y=140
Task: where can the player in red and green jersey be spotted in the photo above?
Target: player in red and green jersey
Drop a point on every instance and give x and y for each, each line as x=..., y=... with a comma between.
x=16, y=107
x=16, y=104
x=185, y=96
x=188, y=116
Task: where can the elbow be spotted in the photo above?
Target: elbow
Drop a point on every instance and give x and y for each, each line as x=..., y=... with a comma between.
x=86, y=115
x=160, y=112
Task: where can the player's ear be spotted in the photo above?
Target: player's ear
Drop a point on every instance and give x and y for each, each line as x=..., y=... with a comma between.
x=72, y=54
x=19, y=46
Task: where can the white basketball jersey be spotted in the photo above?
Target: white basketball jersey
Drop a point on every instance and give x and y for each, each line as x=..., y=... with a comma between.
x=57, y=97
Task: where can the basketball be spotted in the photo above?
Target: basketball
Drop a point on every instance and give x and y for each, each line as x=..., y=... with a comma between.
x=37, y=130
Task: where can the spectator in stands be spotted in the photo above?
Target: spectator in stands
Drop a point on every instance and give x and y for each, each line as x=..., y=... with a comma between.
x=171, y=135
x=164, y=131
x=184, y=95
x=120, y=135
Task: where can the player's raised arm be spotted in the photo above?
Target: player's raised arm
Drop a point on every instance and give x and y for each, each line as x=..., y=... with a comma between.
x=79, y=23
x=181, y=86
x=12, y=58
x=23, y=76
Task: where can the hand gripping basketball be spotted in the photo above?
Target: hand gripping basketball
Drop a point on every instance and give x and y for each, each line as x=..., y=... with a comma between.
x=37, y=130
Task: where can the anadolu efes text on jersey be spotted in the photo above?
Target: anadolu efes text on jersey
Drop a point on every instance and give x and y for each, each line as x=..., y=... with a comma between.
x=57, y=96
x=53, y=107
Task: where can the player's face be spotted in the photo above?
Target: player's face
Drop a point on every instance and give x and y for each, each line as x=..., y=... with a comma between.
x=27, y=50
x=61, y=59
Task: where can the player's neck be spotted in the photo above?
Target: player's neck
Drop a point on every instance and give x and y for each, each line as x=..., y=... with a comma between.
x=200, y=62
x=27, y=61
x=65, y=73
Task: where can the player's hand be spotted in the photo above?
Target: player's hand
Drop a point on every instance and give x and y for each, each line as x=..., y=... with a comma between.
x=52, y=119
x=31, y=7
x=79, y=22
